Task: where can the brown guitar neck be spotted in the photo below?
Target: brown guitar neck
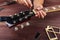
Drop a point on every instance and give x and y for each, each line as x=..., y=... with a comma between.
x=52, y=8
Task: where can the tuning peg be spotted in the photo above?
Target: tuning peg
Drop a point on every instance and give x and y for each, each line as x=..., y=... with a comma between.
x=15, y=14
x=10, y=15
x=22, y=26
x=20, y=19
x=21, y=12
x=14, y=22
x=16, y=28
x=26, y=17
x=27, y=23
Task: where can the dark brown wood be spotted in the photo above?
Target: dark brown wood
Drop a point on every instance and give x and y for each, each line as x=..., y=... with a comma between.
x=28, y=33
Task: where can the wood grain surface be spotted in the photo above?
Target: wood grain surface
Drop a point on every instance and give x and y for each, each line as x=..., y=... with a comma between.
x=27, y=33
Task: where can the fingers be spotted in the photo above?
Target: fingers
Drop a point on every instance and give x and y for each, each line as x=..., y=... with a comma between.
x=43, y=14
x=37, y=14
x=28, y=3
x=40, y=14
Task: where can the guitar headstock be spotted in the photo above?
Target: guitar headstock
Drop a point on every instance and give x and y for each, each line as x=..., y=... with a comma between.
x=20, y=17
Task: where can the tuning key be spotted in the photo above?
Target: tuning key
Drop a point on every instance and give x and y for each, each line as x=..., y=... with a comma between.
x=20, y=19
x=27, y=23
x=16, y=28
x=14, y=22
x=22, y=26
x=21, y=12
x=10, y=15
x=26, y=17
x=15, y=14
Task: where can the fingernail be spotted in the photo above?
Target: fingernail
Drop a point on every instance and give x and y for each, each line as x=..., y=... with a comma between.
x=43, y=17
x=36, y=15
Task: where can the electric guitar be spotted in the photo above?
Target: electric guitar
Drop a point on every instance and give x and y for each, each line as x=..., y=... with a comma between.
x=22, y=16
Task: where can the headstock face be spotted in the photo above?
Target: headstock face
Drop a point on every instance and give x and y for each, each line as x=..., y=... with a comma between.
x=20, y=17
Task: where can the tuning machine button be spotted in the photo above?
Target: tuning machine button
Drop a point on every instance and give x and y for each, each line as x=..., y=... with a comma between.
x=16, y=28
x=22, y=26
x=14, y=22
x=26, y=17
x=27, y=24
x=20, y=19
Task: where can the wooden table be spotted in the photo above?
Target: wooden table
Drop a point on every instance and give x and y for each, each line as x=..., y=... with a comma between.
x=27, y=33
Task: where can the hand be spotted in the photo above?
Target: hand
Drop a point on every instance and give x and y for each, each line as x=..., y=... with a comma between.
x=25, y=2
x=39, y=12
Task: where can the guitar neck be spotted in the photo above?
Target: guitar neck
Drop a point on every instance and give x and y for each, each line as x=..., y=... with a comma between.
x=52, y=8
